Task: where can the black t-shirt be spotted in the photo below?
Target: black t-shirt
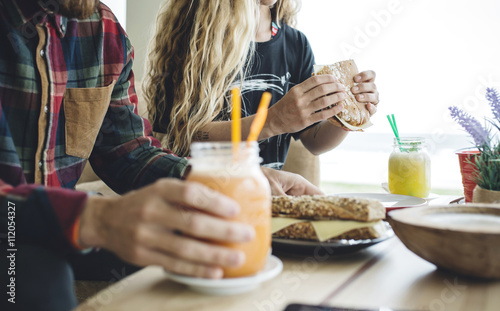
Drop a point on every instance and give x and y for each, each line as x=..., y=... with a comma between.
x=277, y=66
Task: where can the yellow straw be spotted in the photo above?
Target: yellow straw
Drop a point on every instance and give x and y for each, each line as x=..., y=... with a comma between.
x=260, y=117
x=235, y=119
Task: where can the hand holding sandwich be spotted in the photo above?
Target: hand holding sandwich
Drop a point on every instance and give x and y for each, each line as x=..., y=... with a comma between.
x=358, y=107
x=304, y=105
x=366, y=90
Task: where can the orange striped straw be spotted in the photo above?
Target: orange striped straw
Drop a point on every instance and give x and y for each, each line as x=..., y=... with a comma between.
x=235, y=120
x=260, y=117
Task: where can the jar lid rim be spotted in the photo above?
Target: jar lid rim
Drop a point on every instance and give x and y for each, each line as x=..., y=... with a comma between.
x=415, y=139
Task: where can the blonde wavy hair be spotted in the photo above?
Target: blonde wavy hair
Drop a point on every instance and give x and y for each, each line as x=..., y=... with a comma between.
x=286, y=11
x=201, y=47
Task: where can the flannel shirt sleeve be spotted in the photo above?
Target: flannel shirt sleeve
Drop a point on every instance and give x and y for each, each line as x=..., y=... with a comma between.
x=126, y=156
x=40, y=215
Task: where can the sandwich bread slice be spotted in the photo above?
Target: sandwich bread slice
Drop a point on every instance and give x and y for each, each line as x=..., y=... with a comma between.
x=355, y=116
x=322, y=218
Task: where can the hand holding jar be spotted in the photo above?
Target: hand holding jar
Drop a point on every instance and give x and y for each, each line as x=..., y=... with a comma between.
x=238, y=176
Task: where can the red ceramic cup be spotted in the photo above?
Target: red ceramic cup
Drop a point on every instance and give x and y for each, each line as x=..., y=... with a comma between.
x=465, y=156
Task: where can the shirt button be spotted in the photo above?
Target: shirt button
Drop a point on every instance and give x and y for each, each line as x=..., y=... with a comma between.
x=46, y=109
x=42, y=53
x=40, y=164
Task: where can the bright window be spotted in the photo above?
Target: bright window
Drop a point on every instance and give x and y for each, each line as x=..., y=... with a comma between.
x=428, y=55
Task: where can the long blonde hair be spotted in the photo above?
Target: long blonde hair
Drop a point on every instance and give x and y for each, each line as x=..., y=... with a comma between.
x=201, y=47
x=286, y=11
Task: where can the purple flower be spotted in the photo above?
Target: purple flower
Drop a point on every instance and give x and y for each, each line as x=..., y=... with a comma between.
x=472, y=126
x=494, y=99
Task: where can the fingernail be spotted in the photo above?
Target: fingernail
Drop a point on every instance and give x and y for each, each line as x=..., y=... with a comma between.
x=355, y=89
x=357, y=78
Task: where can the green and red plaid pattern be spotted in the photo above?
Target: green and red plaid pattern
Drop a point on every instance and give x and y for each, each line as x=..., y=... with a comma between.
x=88, y=53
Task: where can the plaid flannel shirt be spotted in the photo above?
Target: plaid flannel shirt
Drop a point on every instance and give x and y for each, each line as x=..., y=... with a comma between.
x=67, y=95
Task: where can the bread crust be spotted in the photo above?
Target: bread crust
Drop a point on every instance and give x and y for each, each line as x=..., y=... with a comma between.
x=305, y=231
x=354, y=112
x=323, y=207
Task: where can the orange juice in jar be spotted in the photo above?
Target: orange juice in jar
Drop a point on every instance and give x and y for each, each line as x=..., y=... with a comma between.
x=240, y=178
x=410, y=167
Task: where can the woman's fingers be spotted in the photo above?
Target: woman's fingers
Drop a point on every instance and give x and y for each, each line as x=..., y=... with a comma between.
x=326, y=102
x=314, y=81
x=372, y=109
x=326, y=113
x=368, y=87
x=367, y=98
x=365, y=76
x=324, y=90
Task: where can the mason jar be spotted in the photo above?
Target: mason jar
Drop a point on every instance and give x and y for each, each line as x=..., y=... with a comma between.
x=236, y=173
x=410, y=167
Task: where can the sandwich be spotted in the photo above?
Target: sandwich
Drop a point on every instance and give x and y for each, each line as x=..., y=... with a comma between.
x=355, y=116
x=323, y=218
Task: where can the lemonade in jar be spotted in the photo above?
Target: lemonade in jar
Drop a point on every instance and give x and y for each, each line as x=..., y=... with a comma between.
x=238, y=176
x=410, y=167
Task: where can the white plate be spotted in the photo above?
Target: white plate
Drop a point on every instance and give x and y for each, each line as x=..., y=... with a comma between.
x=231, y=286
x=390, y=201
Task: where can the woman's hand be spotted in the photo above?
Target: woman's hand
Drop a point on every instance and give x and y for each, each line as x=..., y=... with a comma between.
x=366, y=90
x=286, y=183
x=305, y=104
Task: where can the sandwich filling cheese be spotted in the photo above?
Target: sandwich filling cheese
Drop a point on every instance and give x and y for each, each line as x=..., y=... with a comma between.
x=321, y=218
x=354, y=116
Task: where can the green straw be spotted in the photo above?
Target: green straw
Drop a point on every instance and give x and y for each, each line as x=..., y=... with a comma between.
x=395, y=125
x=392, y=122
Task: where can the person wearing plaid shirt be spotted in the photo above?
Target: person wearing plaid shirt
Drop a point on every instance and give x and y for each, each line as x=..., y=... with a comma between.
x=67, y=97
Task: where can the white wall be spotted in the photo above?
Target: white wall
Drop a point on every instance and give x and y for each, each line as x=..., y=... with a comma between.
x=137, y=18
x=141, y=16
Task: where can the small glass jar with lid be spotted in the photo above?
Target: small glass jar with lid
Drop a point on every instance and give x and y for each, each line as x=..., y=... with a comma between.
x=410, y=167
x=238, y=176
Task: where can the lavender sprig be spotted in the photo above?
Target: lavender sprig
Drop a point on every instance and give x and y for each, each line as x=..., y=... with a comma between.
x=480, y=135
x=494, y=99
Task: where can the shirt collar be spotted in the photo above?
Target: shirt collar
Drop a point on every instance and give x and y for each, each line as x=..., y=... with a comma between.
x=21, y=12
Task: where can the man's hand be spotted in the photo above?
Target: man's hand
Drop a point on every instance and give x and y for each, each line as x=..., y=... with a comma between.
x=305, y=104
x=168, y=224
x=366, y=90
x=285, y=183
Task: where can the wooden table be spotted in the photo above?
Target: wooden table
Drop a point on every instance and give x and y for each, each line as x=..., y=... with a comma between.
x=383, y=275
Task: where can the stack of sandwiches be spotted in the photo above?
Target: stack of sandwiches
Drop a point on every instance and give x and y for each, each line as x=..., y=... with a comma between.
x=322, y=218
